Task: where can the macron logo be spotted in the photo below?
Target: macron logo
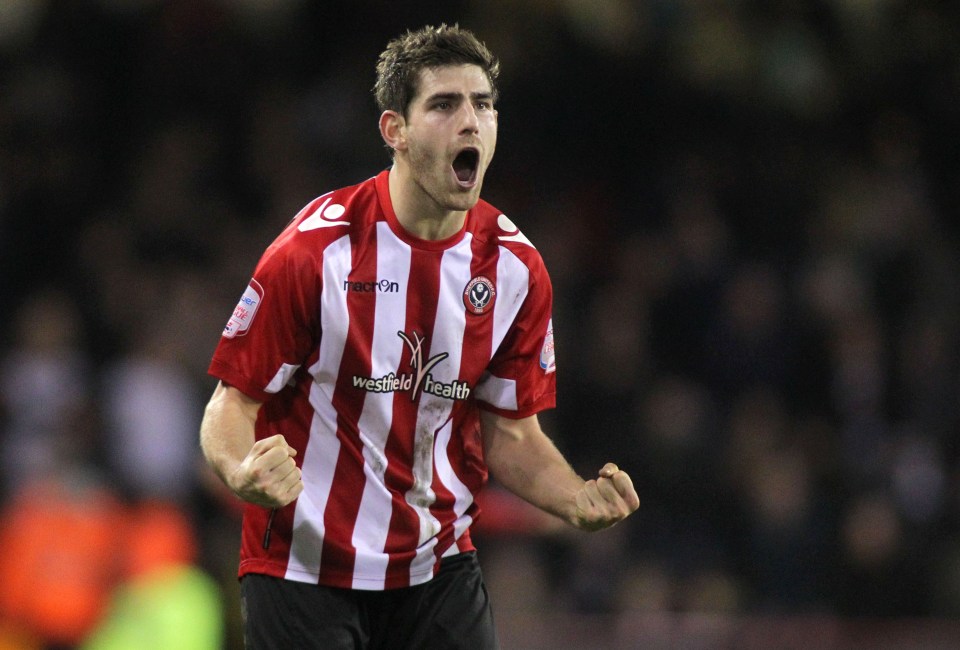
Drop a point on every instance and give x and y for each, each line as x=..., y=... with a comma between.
x=326, y=216
x=381, y=286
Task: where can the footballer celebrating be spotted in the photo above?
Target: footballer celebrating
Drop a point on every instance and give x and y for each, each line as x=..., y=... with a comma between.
x=394, y=345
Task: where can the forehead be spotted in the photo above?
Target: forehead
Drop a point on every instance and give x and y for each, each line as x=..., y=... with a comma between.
x=467, y=79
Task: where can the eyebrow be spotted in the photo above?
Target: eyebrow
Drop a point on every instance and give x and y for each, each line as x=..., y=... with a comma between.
x=456, y=96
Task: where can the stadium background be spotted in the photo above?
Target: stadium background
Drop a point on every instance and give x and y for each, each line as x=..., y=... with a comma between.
x=749, y=210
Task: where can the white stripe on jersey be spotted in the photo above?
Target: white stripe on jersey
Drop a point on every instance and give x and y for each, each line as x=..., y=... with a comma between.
x=281, y=378
x=320, y=457
x=370, y=532
x=371, y=563
x=449, y=479
x=513, y=285
x=318, y=463
x=499, y=392
x=334, y=317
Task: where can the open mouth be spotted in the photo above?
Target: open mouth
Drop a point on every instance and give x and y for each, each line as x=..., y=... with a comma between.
x=465, y=166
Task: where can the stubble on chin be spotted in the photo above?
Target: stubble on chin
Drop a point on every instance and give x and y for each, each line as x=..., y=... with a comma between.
x=462, y=201
x=447, y=195
x=433, y=177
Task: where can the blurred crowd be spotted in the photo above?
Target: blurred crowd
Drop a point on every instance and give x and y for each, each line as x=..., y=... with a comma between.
x=749, y=211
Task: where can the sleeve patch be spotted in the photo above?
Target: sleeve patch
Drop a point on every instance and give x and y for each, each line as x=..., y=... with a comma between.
x=246, y=309
x=548, y=359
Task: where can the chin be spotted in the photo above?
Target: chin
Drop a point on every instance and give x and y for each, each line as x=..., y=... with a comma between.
x=464, y=202
x=464, y=199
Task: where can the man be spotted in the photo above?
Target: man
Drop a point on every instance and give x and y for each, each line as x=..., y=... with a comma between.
x=394, y=344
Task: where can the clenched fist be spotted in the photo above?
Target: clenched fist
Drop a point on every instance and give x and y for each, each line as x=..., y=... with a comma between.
x=604, y=501
x=268, y=476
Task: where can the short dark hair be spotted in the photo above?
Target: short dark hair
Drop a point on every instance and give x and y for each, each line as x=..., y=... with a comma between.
x=399, y=66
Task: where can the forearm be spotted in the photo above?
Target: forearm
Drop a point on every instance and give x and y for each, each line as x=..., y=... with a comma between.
x=262, y=472
x=526, y=462
x=226, y=434
x=521, y=457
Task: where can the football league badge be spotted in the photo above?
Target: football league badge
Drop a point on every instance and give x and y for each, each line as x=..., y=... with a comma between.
x=243, y=313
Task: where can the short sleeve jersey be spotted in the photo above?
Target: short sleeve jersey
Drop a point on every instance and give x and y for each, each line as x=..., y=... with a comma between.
x=372, y=352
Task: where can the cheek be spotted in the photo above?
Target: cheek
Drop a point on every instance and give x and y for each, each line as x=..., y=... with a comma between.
x=491, y=148
x=490, y=137
x=421, y=155
x=426, y=149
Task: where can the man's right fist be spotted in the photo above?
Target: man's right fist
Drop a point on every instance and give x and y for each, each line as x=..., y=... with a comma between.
x=268, y=476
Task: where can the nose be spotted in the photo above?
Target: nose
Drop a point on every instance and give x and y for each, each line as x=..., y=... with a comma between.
x=471, y=121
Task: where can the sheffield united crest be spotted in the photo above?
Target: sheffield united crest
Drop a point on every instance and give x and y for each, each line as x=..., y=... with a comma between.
x=478, y=295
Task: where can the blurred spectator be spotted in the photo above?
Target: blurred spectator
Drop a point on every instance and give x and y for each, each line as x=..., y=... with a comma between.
x=45, y=384
x=787, y=534
x=162, y=601
x=749, y=343
x=151, y=409
x=883, y=571
x=60, y=542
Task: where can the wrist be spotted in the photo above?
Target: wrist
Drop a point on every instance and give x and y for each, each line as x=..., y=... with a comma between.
x=570, y=510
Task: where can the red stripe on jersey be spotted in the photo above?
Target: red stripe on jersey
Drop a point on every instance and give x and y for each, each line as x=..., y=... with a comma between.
x=340, y=516
x=404, y=534
x=478, y=337
x=256, y=536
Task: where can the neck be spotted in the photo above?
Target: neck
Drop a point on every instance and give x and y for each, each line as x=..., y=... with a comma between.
x=418, y=212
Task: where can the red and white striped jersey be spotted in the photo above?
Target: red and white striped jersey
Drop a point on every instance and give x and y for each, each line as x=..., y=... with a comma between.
x=373, y=352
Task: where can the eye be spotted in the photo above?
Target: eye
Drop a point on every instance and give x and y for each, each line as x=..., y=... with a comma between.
x=442, y=106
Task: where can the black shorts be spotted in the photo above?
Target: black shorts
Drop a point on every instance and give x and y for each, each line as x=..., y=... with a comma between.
x=452, y=611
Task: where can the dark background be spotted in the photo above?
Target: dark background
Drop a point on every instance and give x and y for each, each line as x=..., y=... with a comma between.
x=749, y=211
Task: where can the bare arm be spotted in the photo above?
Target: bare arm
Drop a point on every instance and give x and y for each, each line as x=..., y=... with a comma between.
x=525, y=461
x=261, y=472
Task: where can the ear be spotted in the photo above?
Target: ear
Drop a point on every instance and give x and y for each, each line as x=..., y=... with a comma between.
x=393, y=130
